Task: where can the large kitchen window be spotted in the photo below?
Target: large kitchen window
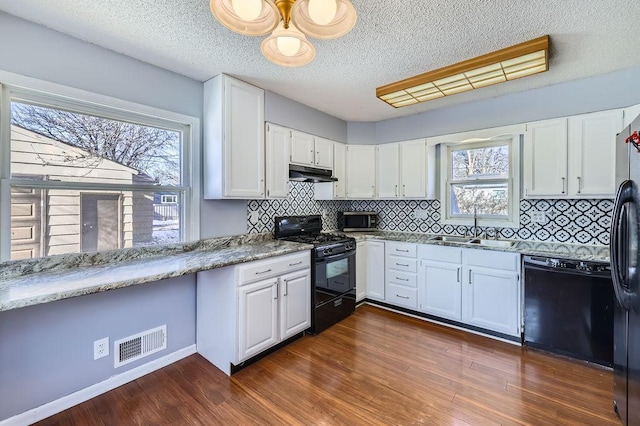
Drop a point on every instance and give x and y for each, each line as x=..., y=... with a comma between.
x=482, y=180
x=84, y=178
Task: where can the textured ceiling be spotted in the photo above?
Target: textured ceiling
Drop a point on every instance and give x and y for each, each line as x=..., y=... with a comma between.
x=588, y=37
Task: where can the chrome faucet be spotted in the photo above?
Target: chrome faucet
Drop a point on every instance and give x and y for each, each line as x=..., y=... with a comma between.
x=475, y=222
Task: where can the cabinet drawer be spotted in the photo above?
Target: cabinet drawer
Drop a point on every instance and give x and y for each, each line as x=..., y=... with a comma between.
x=401, y=249
x=492, y=259
x=440, y=253
x=402, y=296
x=402, y=264
x=272, y=267
x=402, y=278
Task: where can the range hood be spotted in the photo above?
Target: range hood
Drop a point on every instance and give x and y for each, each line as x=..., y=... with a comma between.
x=310, y=174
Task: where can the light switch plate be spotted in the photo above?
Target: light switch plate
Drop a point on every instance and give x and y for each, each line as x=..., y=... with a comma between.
x=538, y=217
x=420, y=214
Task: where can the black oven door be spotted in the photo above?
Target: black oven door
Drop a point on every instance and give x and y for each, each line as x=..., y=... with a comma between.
x=334, y=276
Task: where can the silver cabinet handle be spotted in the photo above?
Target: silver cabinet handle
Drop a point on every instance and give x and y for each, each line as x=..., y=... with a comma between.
x=563, y=179
x=286, y=287
x=297, y=263
x=458, y=275
x=402, y=279
x=402, y=297
x=263, y=272
x=579, y=184
x=396, y=190
x=404, y=190
x=402, y=264
x=403, y=251
x=274, y=291
x=268, y=193
x=469, y=276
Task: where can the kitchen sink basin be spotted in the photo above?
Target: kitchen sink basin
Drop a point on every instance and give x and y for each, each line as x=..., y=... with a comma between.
x=450, y=239
x=491, y=243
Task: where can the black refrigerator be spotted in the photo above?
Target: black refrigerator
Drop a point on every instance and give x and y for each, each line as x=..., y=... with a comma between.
x=626, y=276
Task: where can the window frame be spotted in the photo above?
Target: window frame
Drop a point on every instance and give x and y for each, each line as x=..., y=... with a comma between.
x=23, y=89
x=513, y=182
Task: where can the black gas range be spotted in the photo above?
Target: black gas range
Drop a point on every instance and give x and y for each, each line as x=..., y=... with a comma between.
x=333, y=268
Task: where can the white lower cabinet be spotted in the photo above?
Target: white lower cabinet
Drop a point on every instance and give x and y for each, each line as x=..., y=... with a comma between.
x=491, y=290
x=258, y=317
x=401, y=274
x=440, y=281
x=375, y=270
x=472, y=286
x=361, y=270
x=245, y=309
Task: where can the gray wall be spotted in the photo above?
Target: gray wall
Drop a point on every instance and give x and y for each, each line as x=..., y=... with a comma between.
x=289, y=113
x=46, y=351
x=609, y=91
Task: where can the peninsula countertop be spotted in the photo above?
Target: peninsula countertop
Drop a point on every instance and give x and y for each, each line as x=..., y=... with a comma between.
x=36, y=281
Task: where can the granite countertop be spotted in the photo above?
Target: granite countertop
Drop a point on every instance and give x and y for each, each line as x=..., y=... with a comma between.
x=593, y=253
x=35, y=281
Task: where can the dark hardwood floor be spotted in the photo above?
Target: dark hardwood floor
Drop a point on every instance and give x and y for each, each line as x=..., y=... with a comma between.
x=374, y=368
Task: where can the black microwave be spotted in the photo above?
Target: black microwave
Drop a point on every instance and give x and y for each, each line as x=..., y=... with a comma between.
x=357, y=221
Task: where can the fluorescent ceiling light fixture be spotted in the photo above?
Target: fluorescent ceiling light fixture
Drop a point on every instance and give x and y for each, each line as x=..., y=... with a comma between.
x=290, y=21
x=521, y=60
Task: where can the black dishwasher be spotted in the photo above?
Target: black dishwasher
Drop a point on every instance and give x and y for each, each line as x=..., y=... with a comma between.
x=569, y=307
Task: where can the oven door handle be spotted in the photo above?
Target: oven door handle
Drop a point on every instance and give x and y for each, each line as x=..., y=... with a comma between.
x=336, y=257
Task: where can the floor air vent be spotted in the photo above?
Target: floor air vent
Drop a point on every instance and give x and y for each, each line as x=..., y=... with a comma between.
x=139, y=345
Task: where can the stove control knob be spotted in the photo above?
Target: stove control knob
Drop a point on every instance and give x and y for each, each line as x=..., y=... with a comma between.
x=326, y=251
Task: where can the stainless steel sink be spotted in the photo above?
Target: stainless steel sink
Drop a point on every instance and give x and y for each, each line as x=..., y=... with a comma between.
x=450, y=239
x=491, y=243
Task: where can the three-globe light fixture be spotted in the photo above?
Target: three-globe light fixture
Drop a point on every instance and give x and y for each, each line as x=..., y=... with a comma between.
x=288, y=21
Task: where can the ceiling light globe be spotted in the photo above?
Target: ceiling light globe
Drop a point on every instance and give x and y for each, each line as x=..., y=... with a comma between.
x=288, y=46
x=322, y=12
x=247, y=10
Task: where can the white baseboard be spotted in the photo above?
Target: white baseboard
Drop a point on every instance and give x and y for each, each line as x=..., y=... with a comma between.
x=66, y=402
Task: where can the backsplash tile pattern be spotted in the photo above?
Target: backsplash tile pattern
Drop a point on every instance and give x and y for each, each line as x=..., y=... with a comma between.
x=300, y=202
x=567, y=221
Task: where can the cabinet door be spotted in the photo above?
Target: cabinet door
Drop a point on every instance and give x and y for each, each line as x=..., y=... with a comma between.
x=490, y=299
x=545, y=159
x=302, y=148
x=375, y=270
x=413, y=169
x=361, y=171
x=278, y=141
x=258, y=317
x=361, y=270
x=592, y=151
x=340, y=170
x=441, y=289
x=387, y=173
x=295, y=303
x=323, y=156
x=243, y=140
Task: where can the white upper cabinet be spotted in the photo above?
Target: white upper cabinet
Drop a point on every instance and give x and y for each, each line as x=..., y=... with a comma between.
x=361, y=171
x=234, y=157
x=413, y=169
x=387, y=171
x=572, y=157
x=323, y=156
x=309, y=150
x=277, y=164
x=545, y=159
x=302, y=148
x=335, y=190
x=592, y=139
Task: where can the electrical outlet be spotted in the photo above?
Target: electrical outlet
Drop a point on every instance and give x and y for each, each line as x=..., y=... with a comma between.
x=538, y=217
x=253, y=217
x=101, y=348
x=420, y=214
